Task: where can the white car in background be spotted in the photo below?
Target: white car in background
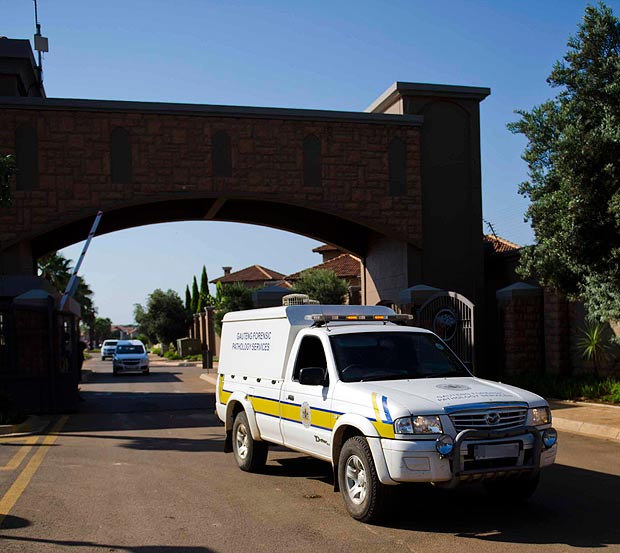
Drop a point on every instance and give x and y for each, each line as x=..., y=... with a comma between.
x=107, y=349
x=130, y=356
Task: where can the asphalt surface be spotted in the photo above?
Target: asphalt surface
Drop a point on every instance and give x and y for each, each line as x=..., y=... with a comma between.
x=140, y=469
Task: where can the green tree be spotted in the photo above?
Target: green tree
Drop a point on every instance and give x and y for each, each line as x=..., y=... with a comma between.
x=204, y=298
x=56, y=268
x=188, y=300
x=7, y=170
x=232, y=297
x=101, y=330
x=164, y=319
x=195, y=296
x=573, y=156
x=322, y=285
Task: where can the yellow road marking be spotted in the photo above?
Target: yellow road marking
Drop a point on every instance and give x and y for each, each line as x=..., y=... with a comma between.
x=17, y=459
x=25, y=476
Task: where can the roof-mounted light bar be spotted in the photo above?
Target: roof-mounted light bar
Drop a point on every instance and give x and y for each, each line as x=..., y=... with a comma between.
x=319, y=318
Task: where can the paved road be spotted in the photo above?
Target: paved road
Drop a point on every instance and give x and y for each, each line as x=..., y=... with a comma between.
x=140, y=469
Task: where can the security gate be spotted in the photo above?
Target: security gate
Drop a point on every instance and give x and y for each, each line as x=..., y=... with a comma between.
x=451, y=317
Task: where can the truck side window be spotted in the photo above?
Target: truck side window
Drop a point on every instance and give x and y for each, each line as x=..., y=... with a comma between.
x=310, y=354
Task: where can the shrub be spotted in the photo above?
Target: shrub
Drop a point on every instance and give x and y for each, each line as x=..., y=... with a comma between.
x=156, y=351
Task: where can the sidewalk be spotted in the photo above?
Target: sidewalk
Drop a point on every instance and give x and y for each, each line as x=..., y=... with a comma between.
x=590, y=419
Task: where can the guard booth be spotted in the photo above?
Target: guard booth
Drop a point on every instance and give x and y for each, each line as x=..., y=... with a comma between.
x=39, y=354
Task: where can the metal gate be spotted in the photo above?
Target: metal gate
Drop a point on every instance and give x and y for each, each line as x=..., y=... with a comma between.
x=451, y=317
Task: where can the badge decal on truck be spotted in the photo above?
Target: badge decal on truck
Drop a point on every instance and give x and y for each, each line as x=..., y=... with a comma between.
x=305, y=414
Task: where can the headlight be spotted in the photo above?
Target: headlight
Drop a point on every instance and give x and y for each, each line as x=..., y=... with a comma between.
x=429, y=424
x=541, y=415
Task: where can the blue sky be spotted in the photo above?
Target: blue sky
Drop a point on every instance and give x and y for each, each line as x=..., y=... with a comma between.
x=333, y=54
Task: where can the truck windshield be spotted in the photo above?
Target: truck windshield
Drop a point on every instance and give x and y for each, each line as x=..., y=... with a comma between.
x=368, y=356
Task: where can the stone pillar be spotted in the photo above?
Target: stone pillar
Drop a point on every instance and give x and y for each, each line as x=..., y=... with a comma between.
x=389, y=267
x=414, y=297
x=557, y=333
x=522, y=328
x=211, y=344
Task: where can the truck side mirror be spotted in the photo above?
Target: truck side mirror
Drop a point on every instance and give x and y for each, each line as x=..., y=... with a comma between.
x=312, y=376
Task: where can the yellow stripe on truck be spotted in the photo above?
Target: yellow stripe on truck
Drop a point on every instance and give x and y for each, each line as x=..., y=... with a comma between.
x=320, y=418
x=266, y=406
x=385, y=430
x=223, y=394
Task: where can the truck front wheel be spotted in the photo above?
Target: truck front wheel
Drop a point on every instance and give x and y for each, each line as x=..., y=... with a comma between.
x=251, y=455
x=364, y=496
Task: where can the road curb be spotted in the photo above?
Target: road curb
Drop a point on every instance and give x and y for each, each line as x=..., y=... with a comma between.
x=32, y=425
x=210, y=378
x=587, y=429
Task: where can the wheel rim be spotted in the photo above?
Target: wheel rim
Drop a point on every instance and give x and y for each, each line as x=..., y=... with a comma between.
x=242, y=441
x=356, y=482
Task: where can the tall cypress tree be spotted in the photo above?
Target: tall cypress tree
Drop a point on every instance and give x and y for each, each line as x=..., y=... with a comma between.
x=204, y=297
x=195, y=296
x=188, y=299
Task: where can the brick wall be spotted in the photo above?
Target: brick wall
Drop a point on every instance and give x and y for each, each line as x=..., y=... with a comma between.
x=522, y=324
x=557, y=333
x=172, y=159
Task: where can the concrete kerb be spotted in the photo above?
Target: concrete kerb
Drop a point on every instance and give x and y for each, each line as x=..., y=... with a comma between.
x=32, y=425
x=589, y=419
x=211, y=378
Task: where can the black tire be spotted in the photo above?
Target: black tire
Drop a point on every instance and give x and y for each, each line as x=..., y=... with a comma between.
x=365, y=498
x=516, y=490
x=250, y=454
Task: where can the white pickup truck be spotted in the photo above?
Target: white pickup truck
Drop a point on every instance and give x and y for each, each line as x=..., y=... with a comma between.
x=382, y=402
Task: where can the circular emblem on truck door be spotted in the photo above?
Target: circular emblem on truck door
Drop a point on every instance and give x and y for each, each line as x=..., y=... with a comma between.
x=305, y=414
x=492, y=418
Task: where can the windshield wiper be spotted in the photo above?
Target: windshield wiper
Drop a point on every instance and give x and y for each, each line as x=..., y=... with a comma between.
x=393, y=376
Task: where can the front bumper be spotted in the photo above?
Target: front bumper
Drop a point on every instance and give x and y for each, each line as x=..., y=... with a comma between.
x=135, y=367
x=418, y=460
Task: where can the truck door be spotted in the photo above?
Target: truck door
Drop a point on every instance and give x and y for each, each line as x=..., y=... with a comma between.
x=305, y=413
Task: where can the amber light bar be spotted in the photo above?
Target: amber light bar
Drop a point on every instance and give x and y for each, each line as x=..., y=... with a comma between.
x=320, y=318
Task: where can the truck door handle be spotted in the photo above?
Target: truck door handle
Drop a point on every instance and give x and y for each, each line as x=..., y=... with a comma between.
x=291, y=397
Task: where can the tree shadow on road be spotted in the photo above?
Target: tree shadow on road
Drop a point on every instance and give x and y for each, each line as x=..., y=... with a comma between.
x=572, y=506
x=92, y=546
x=150, y=443
x=134, y=378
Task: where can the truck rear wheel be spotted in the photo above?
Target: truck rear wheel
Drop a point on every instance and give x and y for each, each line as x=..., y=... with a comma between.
x=364, y=496
x=251, y=455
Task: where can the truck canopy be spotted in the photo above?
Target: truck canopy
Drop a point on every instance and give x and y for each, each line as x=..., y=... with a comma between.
x=258, y=342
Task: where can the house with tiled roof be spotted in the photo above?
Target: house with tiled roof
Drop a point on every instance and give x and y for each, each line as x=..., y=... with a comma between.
x=328, y=251
x=344, y=265
x=255, y=276
x=496, y=245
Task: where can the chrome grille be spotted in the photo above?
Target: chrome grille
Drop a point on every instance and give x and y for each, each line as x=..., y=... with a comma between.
x=484, y=419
